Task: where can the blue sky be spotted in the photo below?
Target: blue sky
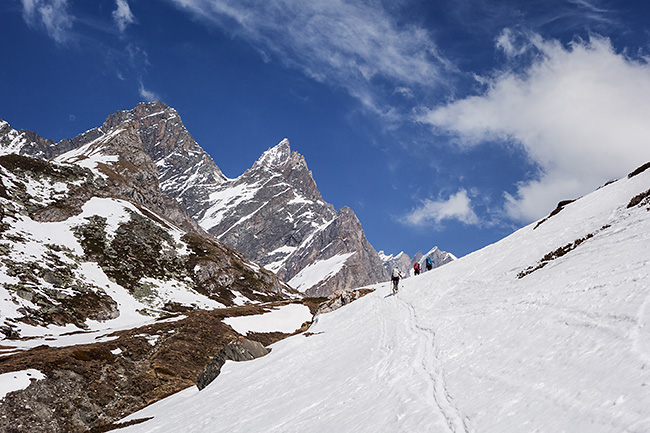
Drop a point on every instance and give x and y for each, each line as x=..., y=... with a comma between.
x=448, y=123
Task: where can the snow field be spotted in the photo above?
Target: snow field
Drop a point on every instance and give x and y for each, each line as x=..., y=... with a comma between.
x=287, y=318
x=318, y=272
x=468, y=347
x=17, y=380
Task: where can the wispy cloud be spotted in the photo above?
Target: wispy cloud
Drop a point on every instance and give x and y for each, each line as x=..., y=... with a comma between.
x=147, y=94
x=592, y=6
x=353, y=45
x=579, y=112
x=51, y=15
x=123, y=16
x=456, y=207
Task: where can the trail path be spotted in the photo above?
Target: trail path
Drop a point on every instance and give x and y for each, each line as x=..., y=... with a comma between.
x=367, y=371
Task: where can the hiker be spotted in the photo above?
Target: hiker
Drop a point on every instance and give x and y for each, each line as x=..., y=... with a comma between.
x=394, y=277
x=416, y=268
x=429, y=264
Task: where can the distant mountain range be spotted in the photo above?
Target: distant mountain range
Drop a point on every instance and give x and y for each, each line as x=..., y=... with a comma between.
x=405, y=264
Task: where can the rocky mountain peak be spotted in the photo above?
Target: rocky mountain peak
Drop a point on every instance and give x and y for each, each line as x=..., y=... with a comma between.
x=405, y=264
x=275, y=157
x=143, y=110
x=275, y=214
x=186, y=172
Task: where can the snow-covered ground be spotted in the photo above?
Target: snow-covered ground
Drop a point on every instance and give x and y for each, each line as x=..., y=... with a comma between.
x=318, y=272
x=37, y=236
x=468, y=347
x=10, y=382
x=287, y=318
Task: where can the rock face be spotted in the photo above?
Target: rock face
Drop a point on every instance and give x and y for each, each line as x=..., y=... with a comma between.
x=186, y=172
x=341, y=298
x=240, y=349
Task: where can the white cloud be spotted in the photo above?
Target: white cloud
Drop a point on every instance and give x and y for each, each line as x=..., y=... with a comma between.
x=349, y=44
x=456, y=207
x=123, y=15
x=580, y=113
x=147, y=95
x=52, y=15
x=514, y=44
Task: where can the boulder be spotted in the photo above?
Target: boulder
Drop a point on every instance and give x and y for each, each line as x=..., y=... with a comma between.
x=241, y=349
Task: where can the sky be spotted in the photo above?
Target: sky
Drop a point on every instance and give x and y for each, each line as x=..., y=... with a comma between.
x=445, y=123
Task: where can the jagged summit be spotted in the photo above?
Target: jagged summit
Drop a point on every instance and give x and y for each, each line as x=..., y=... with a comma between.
x=186, y=172
x=141, y=111
x=275, y=214
x=275, y=157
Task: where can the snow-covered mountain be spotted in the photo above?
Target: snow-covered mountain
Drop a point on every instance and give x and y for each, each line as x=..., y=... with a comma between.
x=273, y=213
x=401, y=261
x=186, y=172
x=547, y=330
x=90, y=241
x=405, y=264
x=109, y=291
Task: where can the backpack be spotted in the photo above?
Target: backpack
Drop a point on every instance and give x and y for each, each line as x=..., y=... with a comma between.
x=395, y=273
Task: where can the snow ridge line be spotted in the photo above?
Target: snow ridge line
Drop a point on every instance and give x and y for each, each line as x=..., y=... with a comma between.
x=456, y=421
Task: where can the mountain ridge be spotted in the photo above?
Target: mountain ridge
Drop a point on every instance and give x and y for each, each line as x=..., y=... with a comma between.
x=231, y=209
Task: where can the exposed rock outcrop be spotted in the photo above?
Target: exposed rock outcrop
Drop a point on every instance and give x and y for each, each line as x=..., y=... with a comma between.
x=240, y=349
x=341, y=298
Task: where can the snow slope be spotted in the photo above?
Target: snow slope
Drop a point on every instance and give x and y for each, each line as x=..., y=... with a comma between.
x=468, y=347
x=33, y=248
x=10, y=382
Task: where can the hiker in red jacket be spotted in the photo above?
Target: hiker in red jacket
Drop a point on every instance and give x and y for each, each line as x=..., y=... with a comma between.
x=416, y=268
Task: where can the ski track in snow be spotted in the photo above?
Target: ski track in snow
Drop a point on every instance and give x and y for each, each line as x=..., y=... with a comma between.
x=429, y=363
x=427, y=366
